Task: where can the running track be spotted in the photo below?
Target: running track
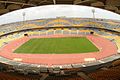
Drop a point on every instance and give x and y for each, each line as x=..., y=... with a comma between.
x=106, y=48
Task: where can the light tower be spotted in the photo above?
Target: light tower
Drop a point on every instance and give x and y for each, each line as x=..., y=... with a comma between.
x=93, y=12
x=23, y=14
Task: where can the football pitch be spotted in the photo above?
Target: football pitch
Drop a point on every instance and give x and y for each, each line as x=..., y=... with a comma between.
x=70, y=45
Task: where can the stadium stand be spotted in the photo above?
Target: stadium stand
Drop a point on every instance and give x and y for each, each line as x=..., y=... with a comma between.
x=58, y=22
x=106, y=69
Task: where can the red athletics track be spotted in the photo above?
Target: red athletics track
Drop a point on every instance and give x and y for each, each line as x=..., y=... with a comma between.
x=106, y=48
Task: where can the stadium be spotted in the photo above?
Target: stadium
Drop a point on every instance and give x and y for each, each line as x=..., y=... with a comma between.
x=60, y=42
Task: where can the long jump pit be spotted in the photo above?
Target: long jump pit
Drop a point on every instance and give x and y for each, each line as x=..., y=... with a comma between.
x=107, y=52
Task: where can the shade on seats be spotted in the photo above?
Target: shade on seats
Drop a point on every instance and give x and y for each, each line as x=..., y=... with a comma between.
x=113, y=2
x=17, y=0
x=14, y=7
x=98, y=4
x=118, y=11
x=77, y=1
x=2, y=6
x=2, y=11
x=111, y=8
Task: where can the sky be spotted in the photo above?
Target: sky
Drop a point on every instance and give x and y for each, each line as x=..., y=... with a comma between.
x=53, y=11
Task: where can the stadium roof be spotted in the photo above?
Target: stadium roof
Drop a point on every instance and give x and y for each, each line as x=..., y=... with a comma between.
x=11, y=5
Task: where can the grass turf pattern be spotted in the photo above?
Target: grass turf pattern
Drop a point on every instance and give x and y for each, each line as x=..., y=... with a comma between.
x=57, y=46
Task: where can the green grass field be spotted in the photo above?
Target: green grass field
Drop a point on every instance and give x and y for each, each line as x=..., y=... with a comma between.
x=57, y=46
